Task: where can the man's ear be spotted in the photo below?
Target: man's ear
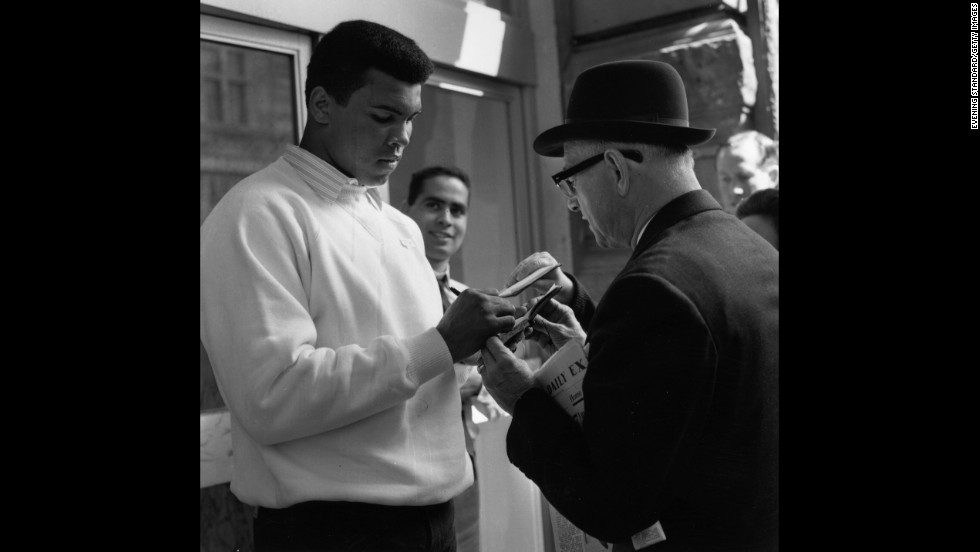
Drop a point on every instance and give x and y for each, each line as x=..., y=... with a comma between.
x=320, y=105
x=618, y=163
x=773, y=173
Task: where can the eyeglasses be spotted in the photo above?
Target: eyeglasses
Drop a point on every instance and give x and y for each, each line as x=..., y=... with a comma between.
x=565, y=185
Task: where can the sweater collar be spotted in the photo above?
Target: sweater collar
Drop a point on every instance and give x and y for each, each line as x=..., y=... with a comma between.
x=326, y=180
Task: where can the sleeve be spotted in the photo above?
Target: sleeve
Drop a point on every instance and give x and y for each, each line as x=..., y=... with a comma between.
x=581, y=303
x=651, y=365
x=261, y=339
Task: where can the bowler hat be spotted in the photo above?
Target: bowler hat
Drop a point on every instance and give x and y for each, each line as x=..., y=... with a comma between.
x=625, y=101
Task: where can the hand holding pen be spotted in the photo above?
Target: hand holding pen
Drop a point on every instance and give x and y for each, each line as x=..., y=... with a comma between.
x=474, y=316
x=523, y=325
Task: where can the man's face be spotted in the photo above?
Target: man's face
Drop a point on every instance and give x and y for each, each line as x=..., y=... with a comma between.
x=440, y=210
x=366, y=138
x=593, y=197
x=739, y=175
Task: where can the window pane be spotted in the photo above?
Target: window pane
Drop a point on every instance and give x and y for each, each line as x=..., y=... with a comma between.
x=236, y=63
x=255, y=94
x=472, y=133
x=211, y=102
x=210, y=59
x=237, y=108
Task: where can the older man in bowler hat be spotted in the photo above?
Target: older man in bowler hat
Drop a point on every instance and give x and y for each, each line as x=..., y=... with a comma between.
x=678, y=449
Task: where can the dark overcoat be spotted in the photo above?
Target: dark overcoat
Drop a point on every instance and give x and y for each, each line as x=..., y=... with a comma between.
x=681, y=419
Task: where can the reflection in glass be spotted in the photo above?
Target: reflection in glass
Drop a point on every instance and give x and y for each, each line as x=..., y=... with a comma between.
x=248, y=114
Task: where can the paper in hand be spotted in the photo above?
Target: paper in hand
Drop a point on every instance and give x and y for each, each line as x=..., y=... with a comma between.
x=526, y=281
x=512, y=337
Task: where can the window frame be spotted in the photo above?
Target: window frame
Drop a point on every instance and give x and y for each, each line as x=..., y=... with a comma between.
x=511, y=94
x=296, y=44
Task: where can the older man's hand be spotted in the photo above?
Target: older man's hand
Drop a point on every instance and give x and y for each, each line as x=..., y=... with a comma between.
x=554, y=326
x=505, y=376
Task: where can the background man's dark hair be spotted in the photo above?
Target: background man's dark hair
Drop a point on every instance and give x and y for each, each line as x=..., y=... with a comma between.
x=420, y=176
x=763, y=203
x=344, y=54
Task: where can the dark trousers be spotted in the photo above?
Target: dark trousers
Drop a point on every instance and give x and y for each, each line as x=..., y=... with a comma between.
x=354, y=527
x=466, y=511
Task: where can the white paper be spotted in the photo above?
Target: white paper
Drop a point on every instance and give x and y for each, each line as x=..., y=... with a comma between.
x=561, y=377
x=526, y=281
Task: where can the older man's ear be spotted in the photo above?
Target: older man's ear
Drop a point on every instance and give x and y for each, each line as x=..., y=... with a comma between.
x=622, y=169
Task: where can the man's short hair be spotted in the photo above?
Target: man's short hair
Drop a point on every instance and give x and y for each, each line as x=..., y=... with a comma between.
x=420, y=176
x=768, y=149
x=672, y=153
x=763, y=203
x=344, y=54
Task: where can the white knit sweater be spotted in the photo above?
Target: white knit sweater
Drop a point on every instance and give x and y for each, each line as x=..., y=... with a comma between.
x=318, y=313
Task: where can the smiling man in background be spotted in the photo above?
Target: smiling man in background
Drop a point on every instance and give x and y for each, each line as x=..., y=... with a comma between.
x=439, y=201
x=746, y=163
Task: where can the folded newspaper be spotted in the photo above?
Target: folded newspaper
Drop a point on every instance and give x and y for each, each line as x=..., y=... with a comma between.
x=561, y=377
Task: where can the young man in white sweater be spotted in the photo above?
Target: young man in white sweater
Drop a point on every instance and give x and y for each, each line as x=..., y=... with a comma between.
x=322, y=321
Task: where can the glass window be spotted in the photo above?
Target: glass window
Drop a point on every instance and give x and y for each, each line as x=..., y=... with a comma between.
x=476, y=126
x=248, y=114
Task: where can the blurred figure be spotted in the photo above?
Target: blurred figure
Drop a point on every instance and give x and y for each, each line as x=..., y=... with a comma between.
x=746, y=163
x=760, y=212
x=438, y=201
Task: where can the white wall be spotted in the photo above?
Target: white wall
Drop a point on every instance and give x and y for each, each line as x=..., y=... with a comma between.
x=510, y=504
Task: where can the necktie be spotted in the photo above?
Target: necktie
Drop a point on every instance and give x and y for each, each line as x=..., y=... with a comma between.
x=447, y=295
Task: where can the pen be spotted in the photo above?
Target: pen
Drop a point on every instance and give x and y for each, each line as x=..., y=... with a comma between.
x=454, y=290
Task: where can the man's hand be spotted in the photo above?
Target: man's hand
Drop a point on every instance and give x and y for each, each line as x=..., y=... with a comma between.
x=471, y=387
x=554, y=326
x=505, y=376
x=473, y=317
x=535, y=261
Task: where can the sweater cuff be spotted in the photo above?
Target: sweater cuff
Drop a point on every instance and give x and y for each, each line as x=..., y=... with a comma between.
x=428, y=356
x=580, y=297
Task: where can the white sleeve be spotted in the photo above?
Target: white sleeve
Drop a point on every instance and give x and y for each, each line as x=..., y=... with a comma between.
x=257, y=329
